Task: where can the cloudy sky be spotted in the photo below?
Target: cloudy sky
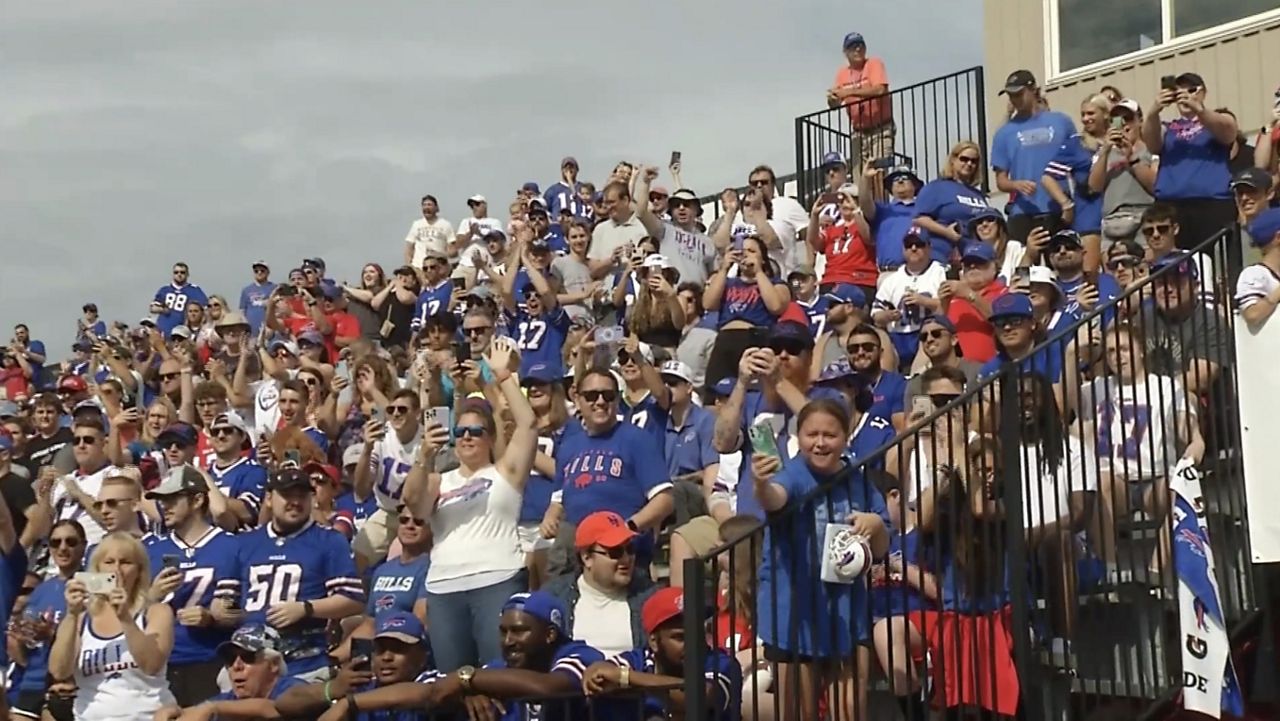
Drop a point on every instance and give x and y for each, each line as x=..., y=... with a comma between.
x=134, y=134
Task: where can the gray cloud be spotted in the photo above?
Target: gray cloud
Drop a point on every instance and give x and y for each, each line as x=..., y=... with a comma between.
x=134, y=134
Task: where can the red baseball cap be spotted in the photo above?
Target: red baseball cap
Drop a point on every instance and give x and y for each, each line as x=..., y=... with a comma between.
x=335, y=477
x=72, y=383
x=664, y=605
x=605, y=528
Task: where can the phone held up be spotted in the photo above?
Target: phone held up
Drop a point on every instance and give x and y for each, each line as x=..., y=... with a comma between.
x=675, y=159
x=97, y=584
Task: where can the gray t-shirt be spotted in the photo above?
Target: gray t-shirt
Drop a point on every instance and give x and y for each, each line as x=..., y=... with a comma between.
x=695, y=351
x=574, y=277
x=1122, y=188
x=692, y=253
x=1172, y=345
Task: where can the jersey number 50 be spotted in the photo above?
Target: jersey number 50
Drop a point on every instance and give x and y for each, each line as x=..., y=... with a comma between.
x=269, y=583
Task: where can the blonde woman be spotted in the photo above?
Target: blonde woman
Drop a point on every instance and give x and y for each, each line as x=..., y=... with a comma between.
x=945, y=206
x=114, y=644
x=129, y=441
x=1082, y=210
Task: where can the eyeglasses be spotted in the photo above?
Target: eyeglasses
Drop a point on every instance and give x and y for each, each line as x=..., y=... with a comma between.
x=759, y=183
x=615, y=553
x=169, y=376
x=1123, y=261
x=607, y=395
x=1158, y=229
x=477, y=330
x=657, y=196
x=398, y=410
x=867, y=347
x=112, y=503
x=244, y=656
x=411, y=521
x=84, y=440
x=215, y=305
x=932, y=334
x=469, y=431
x=69, y=542
x=221, y=431
x=968, y=159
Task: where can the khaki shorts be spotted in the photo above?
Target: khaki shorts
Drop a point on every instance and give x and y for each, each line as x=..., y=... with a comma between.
x=701, y=533
x=375, y=536
x=871, y=144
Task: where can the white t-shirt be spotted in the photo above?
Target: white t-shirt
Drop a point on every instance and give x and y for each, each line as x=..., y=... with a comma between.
x=1046, y=496
x=894, y=287
x=429, y=235
x=601, y=620
x=1137, y=424
x=788, y=221
x=1013, y=252
x=66, y=508
x=693, y=254
x=475, y=527
x=477, y=227
x=1255, y=283
x=610, y=235
x=392, y=461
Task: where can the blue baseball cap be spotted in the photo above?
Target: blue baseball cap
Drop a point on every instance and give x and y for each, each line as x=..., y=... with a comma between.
x=541, y=373
x=836, y=370
x=1182, y=262
x=827, y=393
x=1011, y=305
x=985, y=214
x=181, y=432
x=791, y=331
x=6, y=442
x=400, y=625
x=9, y=409
x=541, y=605
x=939, y=320
x=1066, y=237
x=1263, y=229
x=979, y=251
x=724, y=386
x=847, y=293
x=253, y=637
x=830, y=159
x=853, y=39
x=531, y=187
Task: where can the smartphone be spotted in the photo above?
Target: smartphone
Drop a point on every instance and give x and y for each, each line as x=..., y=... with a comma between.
x=827, y=198
x=884, y=163
x=361, y=648
x=439, y=415
x=1169, y=82
x=1050, y=223
x=921, y=406
x=170, y=560
x=461, y=351
x=1117, y=123
x=375, y=414
x=608, y=334
x=953, y=273
x=763, y=439
x=675, y=158
x=1022, y=274
x=293, y=457
x=97, y=584
x=458, y=283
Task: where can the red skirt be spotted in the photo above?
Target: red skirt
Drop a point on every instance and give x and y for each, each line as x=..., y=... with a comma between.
x=971, y=660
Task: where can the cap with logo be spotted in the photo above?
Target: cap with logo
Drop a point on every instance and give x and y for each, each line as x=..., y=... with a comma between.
x=289, y=478
x=1011, y=305
x=180, y=331
x=900, y=172
x=1018, y=81
x=279, y=343
x=677, y=369
x=72, y=384
x=832, y=159
x=310, y=337
x=847, y=293
x=987, y=213
x=260, y=264
x=853, y=40
x=663, y=606
x=724, y=386
x=1264, y=228
x=541, y=373
x=657, y=260
x=252, y=637
x=182, y=432
x=475, y=200
x=1181, y=261
x=1255, y=178
x=230, y=419
x=979, y=251
x=836, y=370
x=401, y=626
x=183, y=479
x=541, y=605
x=1066, y=237
x=317, y=263
x=602, y=528
x=1127, y=106
x=530, y=187
x=1043, y=274
x=792, y=332
x=567, y=161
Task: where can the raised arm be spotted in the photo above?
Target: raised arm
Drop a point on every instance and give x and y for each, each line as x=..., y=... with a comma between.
x=517, y=459
x=652, y=225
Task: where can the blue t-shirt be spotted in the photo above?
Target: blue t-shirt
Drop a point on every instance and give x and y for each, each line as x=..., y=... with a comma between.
x=243, y=480
x=1023, y=147
x=893, y=596
x=38, y=379
x=175, y=300
x=742, y=301
x=689, y=448
x=537, y=487
x=560, y=196
x=798, y=612
x=540, y=339
x=948, y=201
x=284, y=683
x=753, y=407
x=203, y=564
x=397, y=585
x=1193, y=164
x=816, y=312
x=253, y=303
x=1108, y=290
x=571, y=659
x=307, y=565
x=889, y=393
x=48, y=603
x=428, y=676
x=431, y=301
x=359, y=510
x=13, y=568
x=893, y=220
x=614, y=471
x=1046, y=362
x=648, y=416
x=871, y=433
x=720, y=668
x=1073, y=161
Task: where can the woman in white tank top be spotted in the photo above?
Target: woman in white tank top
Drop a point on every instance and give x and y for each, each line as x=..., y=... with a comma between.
x=116, y=646
x=474, y=511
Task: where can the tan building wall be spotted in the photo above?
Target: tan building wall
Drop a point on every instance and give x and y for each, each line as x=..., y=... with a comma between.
x=1241, y=70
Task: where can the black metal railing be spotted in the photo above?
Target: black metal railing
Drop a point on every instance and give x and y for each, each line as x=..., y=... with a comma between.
x=927, y=119
x=1030, y=565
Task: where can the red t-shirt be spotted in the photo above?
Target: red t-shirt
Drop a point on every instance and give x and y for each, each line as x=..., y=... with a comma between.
x=344, y=325
x=850, y=258
x=733, y=629
x=14, y=382
x=975, y=334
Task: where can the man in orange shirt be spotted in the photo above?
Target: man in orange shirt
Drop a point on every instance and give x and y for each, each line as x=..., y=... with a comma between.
x=862, y=87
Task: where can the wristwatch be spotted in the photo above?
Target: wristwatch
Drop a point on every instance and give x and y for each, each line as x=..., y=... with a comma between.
x=465, y=674
x=308, y=610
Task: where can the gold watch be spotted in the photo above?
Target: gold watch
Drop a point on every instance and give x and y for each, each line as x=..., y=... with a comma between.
x=465, y=674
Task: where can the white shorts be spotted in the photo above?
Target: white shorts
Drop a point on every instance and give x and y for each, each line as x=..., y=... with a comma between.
x=531, y=538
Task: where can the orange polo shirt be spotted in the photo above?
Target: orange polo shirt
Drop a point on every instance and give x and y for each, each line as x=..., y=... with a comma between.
x=866, y=113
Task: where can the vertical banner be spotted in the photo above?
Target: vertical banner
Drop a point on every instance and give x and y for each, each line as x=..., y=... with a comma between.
x=1209, y=682
x=1259, y=384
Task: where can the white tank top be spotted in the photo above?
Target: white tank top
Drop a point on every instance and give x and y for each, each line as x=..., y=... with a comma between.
x=109, y=684
x=475, y=526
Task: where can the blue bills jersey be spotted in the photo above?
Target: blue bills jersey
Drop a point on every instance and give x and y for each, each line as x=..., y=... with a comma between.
x=202, y=563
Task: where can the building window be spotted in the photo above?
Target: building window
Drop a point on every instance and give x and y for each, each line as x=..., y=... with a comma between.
x=1094, y=31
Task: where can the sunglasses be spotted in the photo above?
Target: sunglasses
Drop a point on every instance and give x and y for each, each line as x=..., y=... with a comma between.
x=933, y=334
x=863, y=347
x=915, y=245
x=69, y=542
x=677, y=204
x=672, y=381
x=221, y=431
x=790, y=347
x=411, y=521
x=759, y=183
x=245, y=656
x=1009, y=322
x=607, y=395
x=969, y=159
x=112, y=503
x=84, y=440
x=431, y=266
x=169, y=376
x=469, y=431
x=1124, y=261
x=172, y=444
x=320, y=481
x=615, y=553
x=1160, y=229
x=282, y=353
x=477, y=330
x=1064, y=248
x=398, y=410
x=941, y=399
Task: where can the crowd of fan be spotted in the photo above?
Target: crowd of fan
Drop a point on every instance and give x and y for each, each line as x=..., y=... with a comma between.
x=511, y=443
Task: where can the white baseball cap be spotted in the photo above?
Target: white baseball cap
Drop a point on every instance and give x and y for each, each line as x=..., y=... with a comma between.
x=849, y=189
x=677, y=369
x=476, y=199
x=656, y=261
